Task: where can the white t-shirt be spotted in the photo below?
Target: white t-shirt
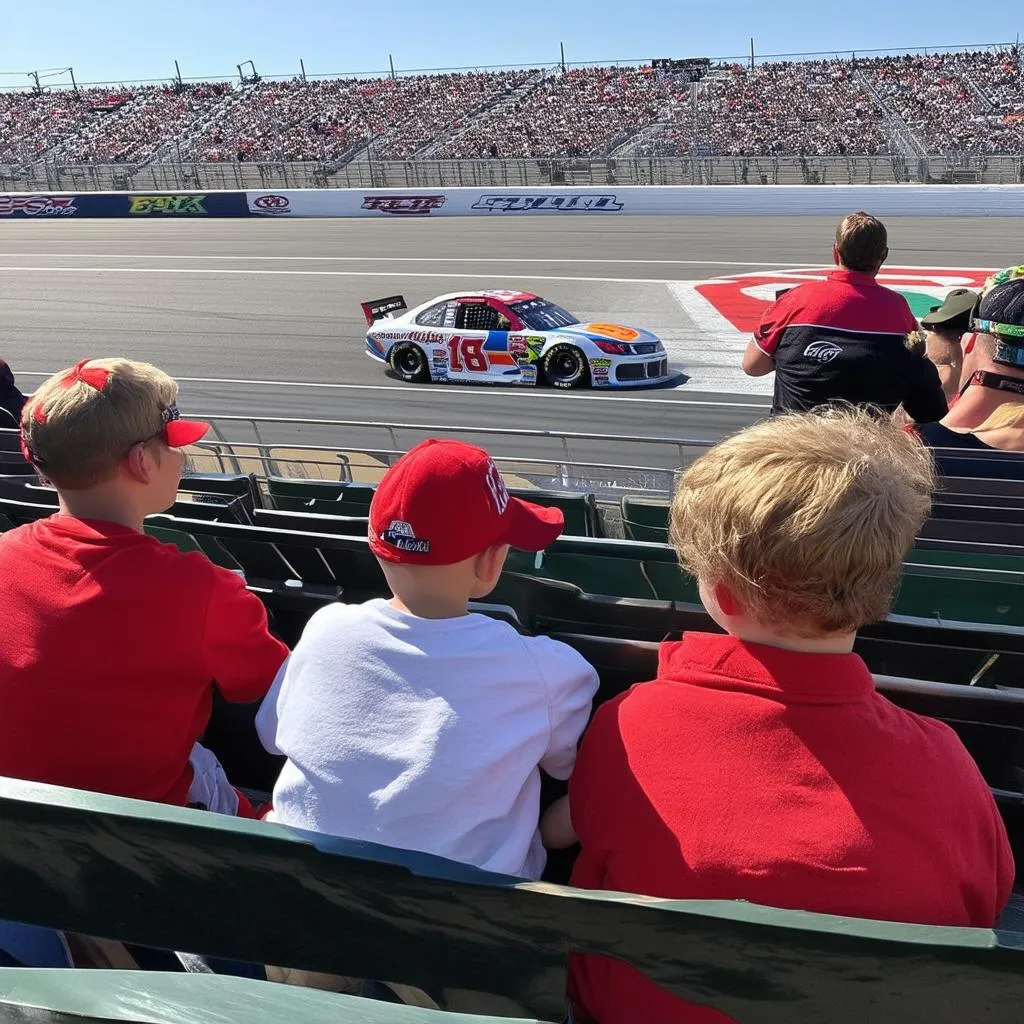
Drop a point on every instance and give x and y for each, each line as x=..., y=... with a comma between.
x=425, y=734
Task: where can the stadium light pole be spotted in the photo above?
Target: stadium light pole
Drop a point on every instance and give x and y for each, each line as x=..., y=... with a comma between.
x=177, y=75
x=391, y=61
x=74, y=84
x=302, y=68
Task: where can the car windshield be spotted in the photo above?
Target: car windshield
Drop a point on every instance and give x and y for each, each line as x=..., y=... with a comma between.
x=541, y=315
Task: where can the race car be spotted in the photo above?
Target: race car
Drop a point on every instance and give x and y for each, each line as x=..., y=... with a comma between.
x=507, y=337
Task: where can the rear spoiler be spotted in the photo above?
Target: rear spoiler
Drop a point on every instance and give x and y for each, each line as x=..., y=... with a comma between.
x=380, y=309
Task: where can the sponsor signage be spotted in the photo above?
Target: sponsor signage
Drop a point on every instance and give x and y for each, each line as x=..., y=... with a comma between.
x=271, y=204
x=37, y=206
x=192, y=206
x=735, y=304
x=403, y=205
x=548, y=203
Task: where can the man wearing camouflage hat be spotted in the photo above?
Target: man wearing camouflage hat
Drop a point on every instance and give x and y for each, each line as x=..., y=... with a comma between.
x=990, y=412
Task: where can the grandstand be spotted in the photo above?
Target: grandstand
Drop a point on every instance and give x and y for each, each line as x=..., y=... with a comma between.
x=953, y=116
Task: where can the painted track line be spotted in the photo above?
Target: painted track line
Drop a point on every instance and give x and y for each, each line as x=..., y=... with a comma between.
x=321, y=273
x=400, y=259
x=456, y=392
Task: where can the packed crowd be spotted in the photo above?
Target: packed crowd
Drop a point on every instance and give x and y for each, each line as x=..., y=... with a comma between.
x=956, y=103
x=952, y=102
x=413, y=722
x=581, y=112
x=322, y=120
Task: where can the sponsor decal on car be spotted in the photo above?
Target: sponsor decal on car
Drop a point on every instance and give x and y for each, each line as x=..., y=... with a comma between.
x=37, y=206
x=167, y=205
x=527, y=202
x=427, y=337
x=271, y=205
x=525, y=348
x=613, y=331
x=404, y=205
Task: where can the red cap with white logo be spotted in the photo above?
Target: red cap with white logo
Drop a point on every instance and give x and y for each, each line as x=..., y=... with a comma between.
x=445, y=501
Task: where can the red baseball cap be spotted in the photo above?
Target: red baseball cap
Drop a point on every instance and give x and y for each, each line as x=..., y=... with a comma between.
x=445, y=501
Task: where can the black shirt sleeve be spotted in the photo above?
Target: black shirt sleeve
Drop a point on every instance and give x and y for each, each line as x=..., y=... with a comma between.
x=925, y=401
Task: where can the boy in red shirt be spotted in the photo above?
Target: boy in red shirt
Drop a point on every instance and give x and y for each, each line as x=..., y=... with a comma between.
x=762, y=765
x=112, y=642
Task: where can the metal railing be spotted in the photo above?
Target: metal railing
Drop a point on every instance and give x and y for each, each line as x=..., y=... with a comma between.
x=368, y=172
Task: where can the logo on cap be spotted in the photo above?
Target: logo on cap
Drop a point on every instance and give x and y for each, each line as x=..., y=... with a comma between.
x=499, y=492
x=402, y=536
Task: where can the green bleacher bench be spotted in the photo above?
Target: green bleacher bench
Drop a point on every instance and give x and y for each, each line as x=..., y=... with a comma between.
x=174, y=878
x=130, y=997
x=645, y=518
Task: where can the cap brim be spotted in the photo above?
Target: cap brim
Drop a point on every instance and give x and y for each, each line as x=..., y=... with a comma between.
x=182, y=433
x=954, y=306
x=532, y=527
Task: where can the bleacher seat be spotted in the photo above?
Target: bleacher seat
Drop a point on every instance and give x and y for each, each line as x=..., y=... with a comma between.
x=174, y=878
x=645, y=518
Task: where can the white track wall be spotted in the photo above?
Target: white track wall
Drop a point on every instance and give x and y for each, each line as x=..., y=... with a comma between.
x=679, y=200
x=498, y=203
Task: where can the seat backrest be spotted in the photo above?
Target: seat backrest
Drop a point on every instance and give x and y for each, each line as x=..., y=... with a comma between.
x=235, y=485
x=645, y=518
x=309, y=522
x=582, y=518
x=174, y=878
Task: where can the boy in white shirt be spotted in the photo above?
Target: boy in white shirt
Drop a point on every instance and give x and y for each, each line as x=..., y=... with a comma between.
x=412, y=722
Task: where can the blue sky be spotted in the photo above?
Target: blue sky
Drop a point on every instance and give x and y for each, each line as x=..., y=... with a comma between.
x=118, y=40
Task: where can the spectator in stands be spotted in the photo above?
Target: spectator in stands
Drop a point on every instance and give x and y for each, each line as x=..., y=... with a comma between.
x=414, y=722
x=112, y=642
x=986, y=415
x=944, y=326
x=763, y=765
x=12, y=401
x=844, y=339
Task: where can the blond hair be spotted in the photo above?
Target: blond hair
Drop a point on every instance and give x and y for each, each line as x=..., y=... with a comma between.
x=82, y=421
x=806, y=518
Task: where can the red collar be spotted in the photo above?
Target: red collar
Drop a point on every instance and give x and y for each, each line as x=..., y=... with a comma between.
x=89, y=529
x=725, y=663
x=853, y=277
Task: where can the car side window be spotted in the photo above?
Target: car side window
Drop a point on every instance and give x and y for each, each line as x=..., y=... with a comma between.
x=476, y=316
x=432, y=317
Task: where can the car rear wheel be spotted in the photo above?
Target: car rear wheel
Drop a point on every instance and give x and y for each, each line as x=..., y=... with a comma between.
x=409, y=362
x=565, y=367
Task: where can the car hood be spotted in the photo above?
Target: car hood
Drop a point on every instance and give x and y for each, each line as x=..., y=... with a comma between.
x=608, y=332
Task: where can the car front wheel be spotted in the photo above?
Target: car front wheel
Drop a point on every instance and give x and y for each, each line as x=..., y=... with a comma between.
x=409, y=362
x=565, y=367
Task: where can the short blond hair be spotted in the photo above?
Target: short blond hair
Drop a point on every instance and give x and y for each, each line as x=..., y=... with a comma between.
x=806, y=518
x=82, y=421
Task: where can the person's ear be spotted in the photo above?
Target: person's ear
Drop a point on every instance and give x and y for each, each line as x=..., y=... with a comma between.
x=490, y=562
x=137, y=465
x=726, y=600
x=835, y=255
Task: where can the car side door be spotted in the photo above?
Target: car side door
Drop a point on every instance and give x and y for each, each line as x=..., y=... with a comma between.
x=476, y=346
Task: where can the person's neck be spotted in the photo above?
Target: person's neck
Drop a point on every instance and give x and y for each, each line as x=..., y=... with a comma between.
x=832, y=643
x=431, y=606
x=863, y=273
x=103, y=506
x=977, y=403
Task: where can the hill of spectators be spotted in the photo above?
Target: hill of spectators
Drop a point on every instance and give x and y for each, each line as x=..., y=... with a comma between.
x=951, y=102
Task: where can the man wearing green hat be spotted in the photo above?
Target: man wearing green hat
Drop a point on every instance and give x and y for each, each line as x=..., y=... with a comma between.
x=989, y=415
x=944, y=326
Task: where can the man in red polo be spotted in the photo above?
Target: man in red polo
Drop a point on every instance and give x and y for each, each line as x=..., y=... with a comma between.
x=844, y=339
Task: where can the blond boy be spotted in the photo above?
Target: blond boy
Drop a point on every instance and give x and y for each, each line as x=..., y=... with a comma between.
x=112, y=642
x=413, y=722
x=761, y=764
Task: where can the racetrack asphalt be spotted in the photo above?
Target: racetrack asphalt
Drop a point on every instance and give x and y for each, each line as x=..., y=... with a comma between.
x=261, y=317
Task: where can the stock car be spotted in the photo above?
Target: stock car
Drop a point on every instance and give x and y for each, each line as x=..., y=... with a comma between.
x=508, y=337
